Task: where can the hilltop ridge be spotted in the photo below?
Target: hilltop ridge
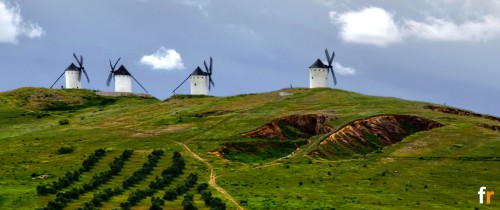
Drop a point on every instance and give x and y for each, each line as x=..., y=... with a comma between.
x=254, y=171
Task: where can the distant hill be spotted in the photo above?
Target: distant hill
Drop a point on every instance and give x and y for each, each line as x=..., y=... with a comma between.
x=306, y=149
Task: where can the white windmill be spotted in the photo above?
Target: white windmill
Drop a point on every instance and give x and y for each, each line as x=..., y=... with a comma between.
x=201, y=81
x=318, y=72
x=122, y=77
x=74, y=74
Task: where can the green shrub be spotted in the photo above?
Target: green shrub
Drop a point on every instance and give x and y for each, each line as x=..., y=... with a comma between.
x=63, y=121
x=65, y=150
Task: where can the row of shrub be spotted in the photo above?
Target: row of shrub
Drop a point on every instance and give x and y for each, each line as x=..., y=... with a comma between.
x=159, y=183
x=137, y=176
x=103, y=196
x=114, y=168
x=93, y=158
x=146, y=169
x=70, y=177
x=172, y=194
x=62, y=198
x=215, y=203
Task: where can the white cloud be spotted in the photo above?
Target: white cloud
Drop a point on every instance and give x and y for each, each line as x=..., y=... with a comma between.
x=369, y=26
x=375, y=26
x=343, y=70
x=200, y=4
x=166, y=59
x=12, y=25
x=435, y=29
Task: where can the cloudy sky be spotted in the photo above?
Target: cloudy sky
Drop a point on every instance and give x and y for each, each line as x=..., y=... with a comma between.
x=441, y=51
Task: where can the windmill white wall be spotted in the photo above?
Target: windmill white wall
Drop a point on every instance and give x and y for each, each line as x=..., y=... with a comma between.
x=318, y=77
x=199, y=85
x=123, y=83
x=72, y=81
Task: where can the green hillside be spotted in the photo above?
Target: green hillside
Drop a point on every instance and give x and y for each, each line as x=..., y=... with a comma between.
x=312, y=149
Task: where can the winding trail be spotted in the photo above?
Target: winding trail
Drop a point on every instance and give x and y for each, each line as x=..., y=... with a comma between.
x=213, y=177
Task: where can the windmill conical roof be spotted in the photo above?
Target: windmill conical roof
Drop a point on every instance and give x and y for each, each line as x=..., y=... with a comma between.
x=318, y=64
x=198, y=72
x=122, y=71
x=72, y=67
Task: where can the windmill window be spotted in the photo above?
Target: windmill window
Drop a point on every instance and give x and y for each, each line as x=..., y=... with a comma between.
x=312, y=77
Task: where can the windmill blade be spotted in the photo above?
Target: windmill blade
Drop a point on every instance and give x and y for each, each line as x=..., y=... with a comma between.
x=110, y=77
x=57, y=79
x=328, y=58
x=331, y=59
x=81, y=60
x=108, y=82
x=333, y=75
x=211, y=62
x=116, y=63
x=85, y=72
x=206, y=67
x=210, y=82
x=111, y=66
x=139, y=84
x=181, y=84
x=78, y=61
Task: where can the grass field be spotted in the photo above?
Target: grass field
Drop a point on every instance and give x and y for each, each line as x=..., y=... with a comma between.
x=442, y=168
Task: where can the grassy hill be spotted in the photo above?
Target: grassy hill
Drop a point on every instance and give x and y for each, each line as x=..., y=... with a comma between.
x=46, y=133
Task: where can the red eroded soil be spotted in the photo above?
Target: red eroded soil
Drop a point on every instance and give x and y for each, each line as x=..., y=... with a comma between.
x=309, y=125
x=373, y=133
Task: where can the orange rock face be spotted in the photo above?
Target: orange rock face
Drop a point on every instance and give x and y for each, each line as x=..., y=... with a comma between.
x=309, y=125
x=363, y=136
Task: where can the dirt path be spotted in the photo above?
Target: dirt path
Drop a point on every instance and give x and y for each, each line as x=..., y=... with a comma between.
x=212, y=181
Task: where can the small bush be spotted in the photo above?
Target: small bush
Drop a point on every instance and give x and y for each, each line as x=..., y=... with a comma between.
x=65, y=150
x=63, y=121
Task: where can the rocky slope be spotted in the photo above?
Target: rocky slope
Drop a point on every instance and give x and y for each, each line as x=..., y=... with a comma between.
x=373, y=133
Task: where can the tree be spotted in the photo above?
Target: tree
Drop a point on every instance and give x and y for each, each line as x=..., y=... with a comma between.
x=155, y=206
x=201, y=187
x=217, y=204
x=188, y=203
x=206, y=195
x=156, y=203
x=42, y=190
x=170, y=194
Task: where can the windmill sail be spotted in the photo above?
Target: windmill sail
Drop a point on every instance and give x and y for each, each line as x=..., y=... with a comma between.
x=209, y=73
x=81, y=69
x=330, y=67
x=110, y=77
